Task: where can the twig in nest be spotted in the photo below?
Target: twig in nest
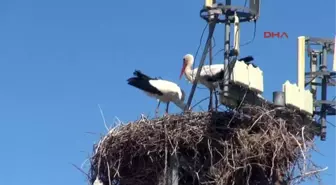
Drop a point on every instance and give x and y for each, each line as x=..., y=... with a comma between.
x=83, y=163
x=88, y=177
x=240, y=104
x=200, y=102
x=210, y=151
x=102, y=115
x=263, y=114
x=109, y=173
x=302, y=152
x=310, y=173
x=303, y=139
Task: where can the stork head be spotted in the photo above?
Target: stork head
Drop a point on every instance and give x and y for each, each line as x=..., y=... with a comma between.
x=188, y=60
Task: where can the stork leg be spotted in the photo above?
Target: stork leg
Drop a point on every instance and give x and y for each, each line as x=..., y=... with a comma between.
x=157, y=109
x=166, y=113
x=216, y=101
x=210, y=101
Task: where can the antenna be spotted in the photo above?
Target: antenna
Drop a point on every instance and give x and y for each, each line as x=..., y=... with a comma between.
x=215, y=12
x=319, y=78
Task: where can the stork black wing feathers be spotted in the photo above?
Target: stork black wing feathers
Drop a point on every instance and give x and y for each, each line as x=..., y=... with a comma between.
x=246, y=59
x=141, y=75
x=215, y=77
x=218, y=76
x=141, y=81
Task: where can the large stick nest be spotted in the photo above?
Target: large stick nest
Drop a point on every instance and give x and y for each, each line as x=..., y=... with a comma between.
x=257, y=146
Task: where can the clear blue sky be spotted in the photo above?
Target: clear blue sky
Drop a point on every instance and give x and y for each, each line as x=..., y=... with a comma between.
x=60, y=59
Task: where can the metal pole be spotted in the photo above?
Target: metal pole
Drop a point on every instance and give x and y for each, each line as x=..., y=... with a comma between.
x=324, y=95
x=226, y=78
x=205, y=51
x=211, y=19
x=313, y=67
x=210, y=63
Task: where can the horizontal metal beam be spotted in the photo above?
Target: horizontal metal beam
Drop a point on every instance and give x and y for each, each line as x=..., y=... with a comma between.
x=320, y=41
x=245, y=14
x=318, y=103
x=316, y=83
x=330, y=112
x=330, y=83
x=320, y=73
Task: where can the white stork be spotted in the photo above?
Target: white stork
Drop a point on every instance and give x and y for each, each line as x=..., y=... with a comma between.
x=163, y=90
x=210, y=75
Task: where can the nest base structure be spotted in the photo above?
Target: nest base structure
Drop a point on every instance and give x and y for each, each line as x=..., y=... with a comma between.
x=259, y=145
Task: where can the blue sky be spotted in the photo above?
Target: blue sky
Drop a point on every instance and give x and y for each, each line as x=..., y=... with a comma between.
x=60, y=59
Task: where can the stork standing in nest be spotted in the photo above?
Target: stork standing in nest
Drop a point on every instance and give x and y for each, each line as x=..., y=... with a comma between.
x=163, y=90
x=210, y=75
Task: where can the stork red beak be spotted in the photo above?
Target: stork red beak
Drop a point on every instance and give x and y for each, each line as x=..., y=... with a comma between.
x=182, y=70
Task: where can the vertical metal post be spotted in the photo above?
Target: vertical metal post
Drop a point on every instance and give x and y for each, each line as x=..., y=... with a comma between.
x=211, y=19
x=210, y=63
x=324, y=95
x=210, y=48
x=226, y=78
x=313, y=68
x=211, y=27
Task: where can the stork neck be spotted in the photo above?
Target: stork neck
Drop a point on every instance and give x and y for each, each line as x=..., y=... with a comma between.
x=188, y=73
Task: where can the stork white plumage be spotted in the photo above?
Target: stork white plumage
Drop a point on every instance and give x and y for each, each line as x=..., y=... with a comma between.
x=210, y=75
x=163, y=90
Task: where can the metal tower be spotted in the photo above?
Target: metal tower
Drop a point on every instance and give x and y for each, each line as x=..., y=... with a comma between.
x=218, y=12
x=319, y=77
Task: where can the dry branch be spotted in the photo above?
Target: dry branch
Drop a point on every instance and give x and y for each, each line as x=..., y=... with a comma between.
x=261, y=146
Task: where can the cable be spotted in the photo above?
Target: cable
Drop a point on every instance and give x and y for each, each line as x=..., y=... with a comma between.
x=200, y=102
x=254, y=34
x=214, y=42
x=245, y=3
x=248, y=42
x=237, y=108
x=199, y=46
x=200, y=42
x=234, y=44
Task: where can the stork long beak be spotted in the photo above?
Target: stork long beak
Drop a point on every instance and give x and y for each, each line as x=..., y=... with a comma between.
x=182, y=70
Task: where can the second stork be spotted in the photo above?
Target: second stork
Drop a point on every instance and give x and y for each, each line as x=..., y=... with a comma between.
x=210, y=75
